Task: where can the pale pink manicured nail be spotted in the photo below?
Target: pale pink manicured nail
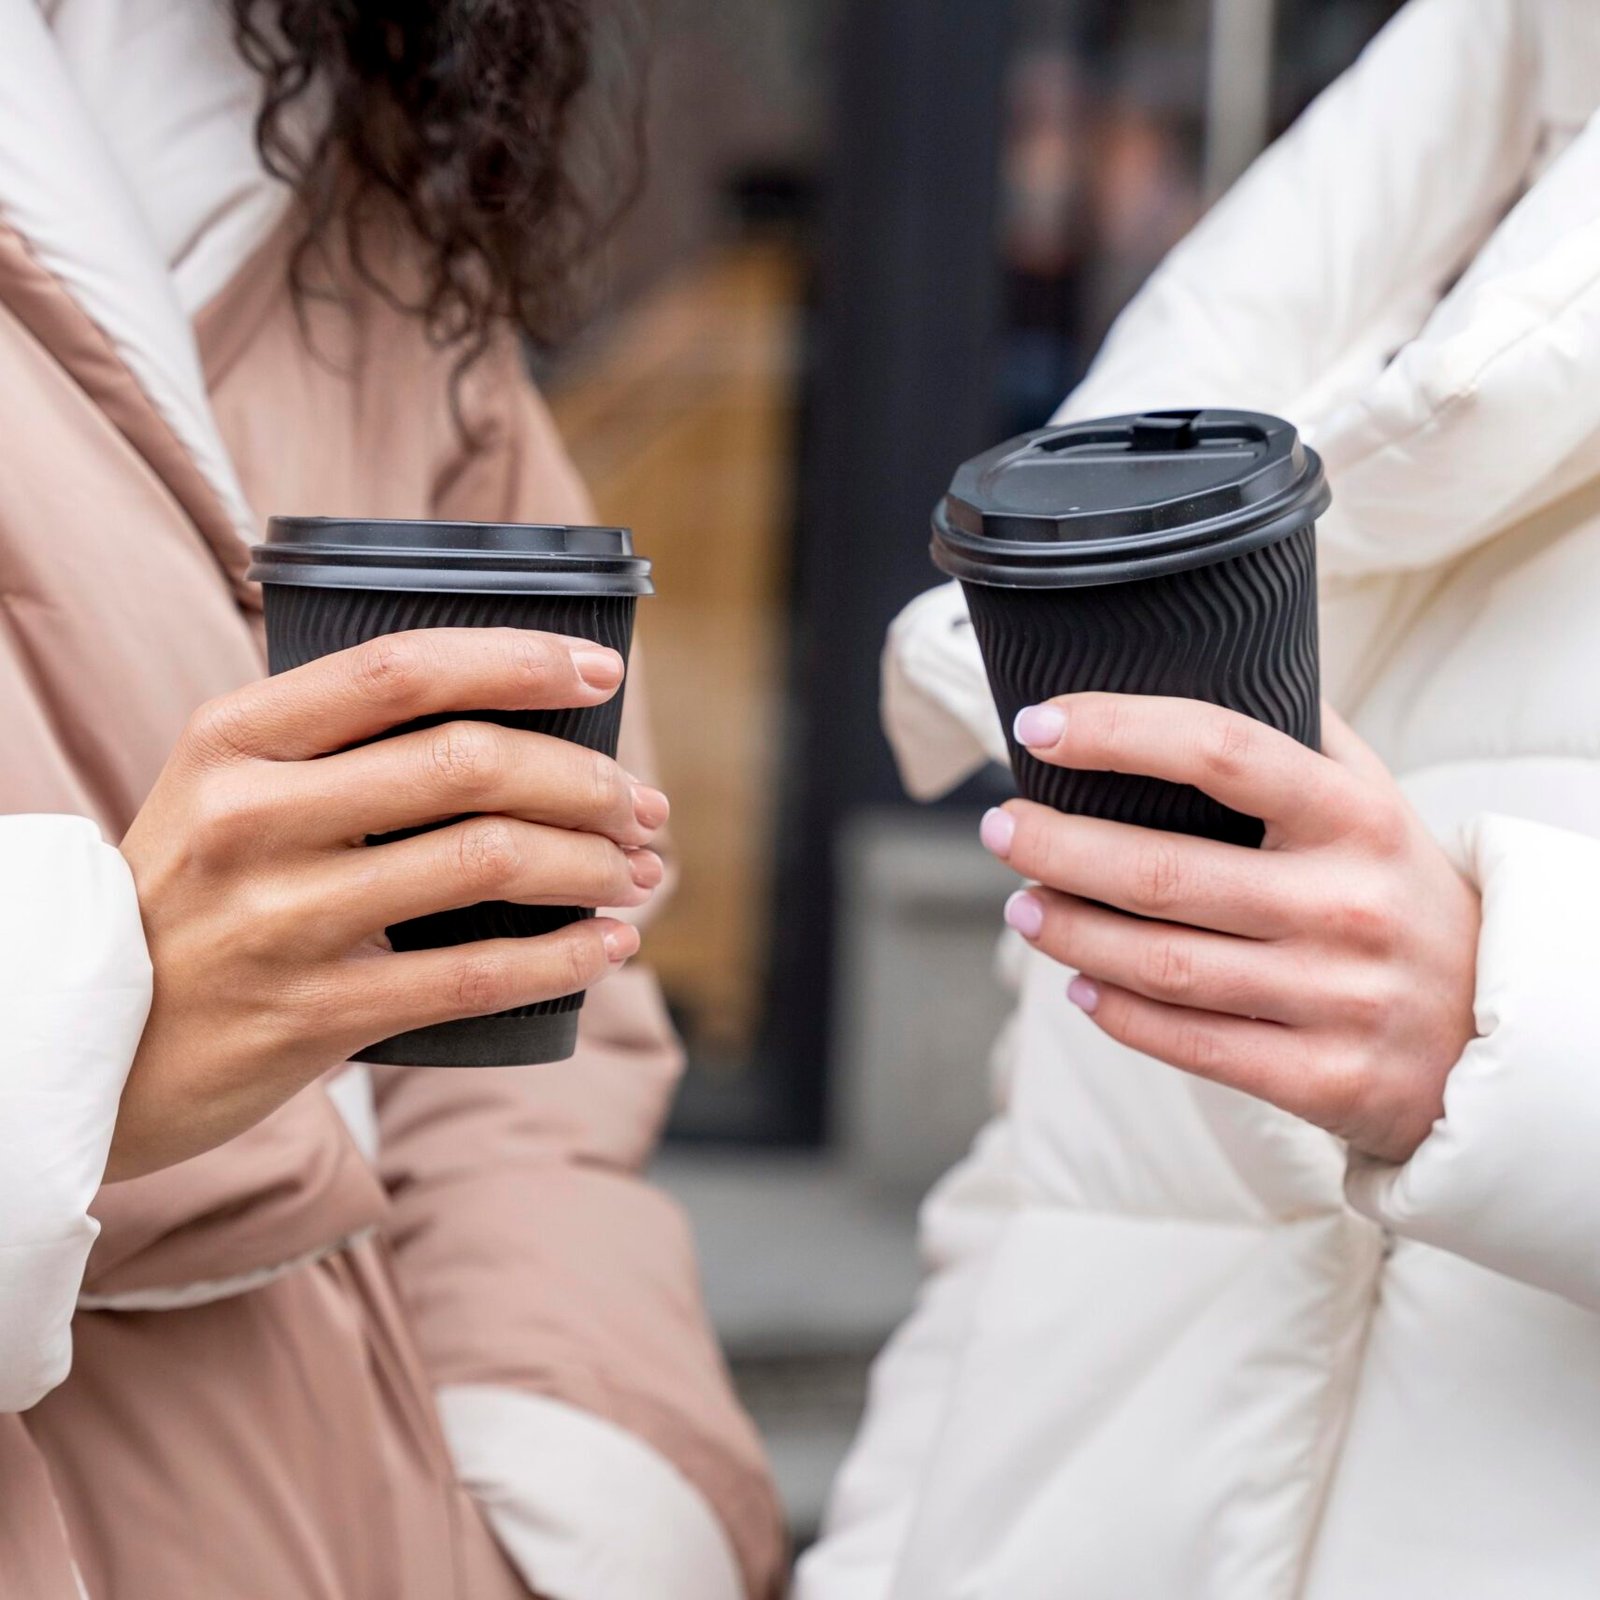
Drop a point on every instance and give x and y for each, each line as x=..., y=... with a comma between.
x=620, y=943
x=646, y=867
x=1025, y=914
x=997, y=830
x=1084, y=993
x=598, y=667
x=650, y=807
x=1039, y=727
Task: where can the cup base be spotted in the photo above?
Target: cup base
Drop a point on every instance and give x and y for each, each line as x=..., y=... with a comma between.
x=482, y=1042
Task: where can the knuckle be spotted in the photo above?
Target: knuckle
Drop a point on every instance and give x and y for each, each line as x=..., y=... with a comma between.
x=581, y=961
x=607, y=789
x=222, y=817
x=1386, y=830
x=253, y=805
x=479, y=983
x=1342, y=1084
x=1367, y=998
x=1361, y=1007
x=1200, y=1049
x=536, y=661
x=1229, y=747
x=1242, y=993
x=1158, y=876
x=612, y=872
x=388, y=669
x=1366, y=921
x=1108, y=724
x=219, y=730
x=1166, y=968
x=465, y=756
x=487, y=856
x=270, y=920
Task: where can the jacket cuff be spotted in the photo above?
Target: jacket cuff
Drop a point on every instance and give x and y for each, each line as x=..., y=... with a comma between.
x=1508, y=1177
x=74, y=994
x=584, y=1510
x=936, y=707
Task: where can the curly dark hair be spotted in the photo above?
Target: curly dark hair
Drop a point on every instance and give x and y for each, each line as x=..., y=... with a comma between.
x=483, y=126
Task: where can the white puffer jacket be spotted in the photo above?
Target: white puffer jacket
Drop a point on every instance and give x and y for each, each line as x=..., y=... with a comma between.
x=1175, y=1345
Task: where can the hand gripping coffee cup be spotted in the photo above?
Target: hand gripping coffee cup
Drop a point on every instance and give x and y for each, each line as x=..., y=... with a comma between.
x=1172, y=553
x=331, y=584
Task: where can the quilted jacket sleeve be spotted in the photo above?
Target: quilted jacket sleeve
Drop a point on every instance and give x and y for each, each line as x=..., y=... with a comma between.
x=74, y=993
x=1508, y=1176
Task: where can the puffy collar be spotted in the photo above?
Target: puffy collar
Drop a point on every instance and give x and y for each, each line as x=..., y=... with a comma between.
x=72, y=202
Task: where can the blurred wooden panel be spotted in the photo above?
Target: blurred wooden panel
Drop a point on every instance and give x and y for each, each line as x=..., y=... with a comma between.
x=681, y=418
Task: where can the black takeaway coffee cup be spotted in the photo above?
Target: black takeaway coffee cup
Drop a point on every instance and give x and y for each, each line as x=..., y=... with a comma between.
x=1170, y=554
x=332, y=583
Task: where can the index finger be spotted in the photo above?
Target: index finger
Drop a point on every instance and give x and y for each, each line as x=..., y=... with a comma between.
x=1242, y=763
x=355, y=694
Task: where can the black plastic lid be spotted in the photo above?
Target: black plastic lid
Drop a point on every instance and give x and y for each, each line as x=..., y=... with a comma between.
x=465, y=557
x=1126, y=497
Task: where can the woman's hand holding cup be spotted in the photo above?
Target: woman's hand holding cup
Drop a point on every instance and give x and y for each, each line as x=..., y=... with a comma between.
x=265, y=909
x=1331, y=972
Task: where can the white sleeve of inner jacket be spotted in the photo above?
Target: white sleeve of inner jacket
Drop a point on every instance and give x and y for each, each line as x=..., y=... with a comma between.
x=74, y=994
x=936, y=708
x=1510, y=1175
x=584, y=1510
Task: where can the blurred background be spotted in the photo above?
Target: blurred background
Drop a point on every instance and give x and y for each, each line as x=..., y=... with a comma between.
x=876, y=237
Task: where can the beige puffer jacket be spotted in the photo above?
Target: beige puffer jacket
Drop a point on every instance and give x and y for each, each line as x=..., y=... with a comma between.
x=420, y=1334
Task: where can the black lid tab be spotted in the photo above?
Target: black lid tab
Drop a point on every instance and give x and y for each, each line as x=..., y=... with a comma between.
x=1165, y=430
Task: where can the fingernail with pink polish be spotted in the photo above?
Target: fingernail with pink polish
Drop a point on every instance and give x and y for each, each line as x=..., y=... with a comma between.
x=598, y=667
x=997, y=830
x=1040, y=727
x=1084, y=993
x=646, y=867
x=1025, y=914
x=650, y=806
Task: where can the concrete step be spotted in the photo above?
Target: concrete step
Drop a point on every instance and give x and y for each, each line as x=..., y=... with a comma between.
x=800, y=1255
x=808, y=1410
x=808, y=1269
